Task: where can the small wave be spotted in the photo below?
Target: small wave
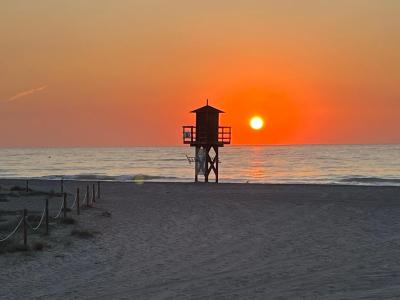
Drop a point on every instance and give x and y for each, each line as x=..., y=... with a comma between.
x=371, y=180
x=122, y=178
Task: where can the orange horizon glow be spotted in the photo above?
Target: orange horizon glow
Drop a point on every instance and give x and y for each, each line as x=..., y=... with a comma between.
x=101, y=73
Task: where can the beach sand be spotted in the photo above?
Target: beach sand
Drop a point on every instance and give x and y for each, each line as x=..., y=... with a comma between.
x=225, y=241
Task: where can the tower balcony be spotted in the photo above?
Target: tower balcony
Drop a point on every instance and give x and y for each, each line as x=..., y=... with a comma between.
x=193, y=137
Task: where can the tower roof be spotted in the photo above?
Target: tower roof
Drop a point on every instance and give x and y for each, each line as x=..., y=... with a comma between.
x=207, y=108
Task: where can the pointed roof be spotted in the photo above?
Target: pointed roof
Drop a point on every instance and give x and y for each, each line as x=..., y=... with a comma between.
x=207, y=108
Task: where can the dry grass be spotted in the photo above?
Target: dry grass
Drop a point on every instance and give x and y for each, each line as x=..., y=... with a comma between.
x=17, y=188
x=16, y=191
x=12, y=247
x=106, y=214
x=38, y=246
x=33, y=218
x=83, y=234
x=68, y=221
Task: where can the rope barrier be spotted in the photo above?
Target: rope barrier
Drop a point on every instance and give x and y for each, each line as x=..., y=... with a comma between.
x=59, y=212
x=40, y=222
x=12, y=232
x=73, y=204
x=34, y=228
x=41, y=219
x=83, y=201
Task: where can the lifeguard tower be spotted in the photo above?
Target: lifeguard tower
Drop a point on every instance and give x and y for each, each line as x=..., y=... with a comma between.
x=207, y=136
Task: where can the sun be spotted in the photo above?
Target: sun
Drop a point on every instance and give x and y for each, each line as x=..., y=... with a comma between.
x=256, y=123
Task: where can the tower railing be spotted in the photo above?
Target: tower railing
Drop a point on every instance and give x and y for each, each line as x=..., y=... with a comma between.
x=190, y=136
x=224, y=134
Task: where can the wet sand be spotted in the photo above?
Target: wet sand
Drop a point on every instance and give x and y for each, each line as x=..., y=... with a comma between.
x=226, y=241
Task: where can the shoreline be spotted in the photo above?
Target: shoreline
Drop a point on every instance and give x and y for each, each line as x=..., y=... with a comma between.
x=376, y=165
x=139, y=182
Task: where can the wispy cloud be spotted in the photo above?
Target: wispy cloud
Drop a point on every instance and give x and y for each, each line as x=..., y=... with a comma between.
x=25, y=93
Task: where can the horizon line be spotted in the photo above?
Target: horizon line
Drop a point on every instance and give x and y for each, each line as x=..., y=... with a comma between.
x=184, y=146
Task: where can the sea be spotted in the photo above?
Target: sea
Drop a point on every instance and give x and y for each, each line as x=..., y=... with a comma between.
x=303, y=164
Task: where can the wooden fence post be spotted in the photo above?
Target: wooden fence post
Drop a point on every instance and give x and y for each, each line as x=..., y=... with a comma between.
x=25, y=228
x=93, y=194
x=47, y=216
x=87, y=195
x=98, y=189
x=65, y=205
x=78, y=212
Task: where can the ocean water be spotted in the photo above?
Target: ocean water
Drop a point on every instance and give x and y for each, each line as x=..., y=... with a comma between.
x=343, y=164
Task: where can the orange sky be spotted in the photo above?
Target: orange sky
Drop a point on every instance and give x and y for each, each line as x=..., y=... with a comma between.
x=123, y=73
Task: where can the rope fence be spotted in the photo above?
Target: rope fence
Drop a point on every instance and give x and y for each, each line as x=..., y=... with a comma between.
x=88, y=201
x=73, y=203
x=40, y=222
x=12, y=232
x=59, y=211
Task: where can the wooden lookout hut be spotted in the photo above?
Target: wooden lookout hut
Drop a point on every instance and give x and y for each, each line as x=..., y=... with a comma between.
x=207, y=136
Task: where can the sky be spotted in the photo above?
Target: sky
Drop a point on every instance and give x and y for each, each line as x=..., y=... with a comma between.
x=127, y=73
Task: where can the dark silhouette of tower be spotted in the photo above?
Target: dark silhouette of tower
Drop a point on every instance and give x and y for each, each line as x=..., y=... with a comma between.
x=207, y=136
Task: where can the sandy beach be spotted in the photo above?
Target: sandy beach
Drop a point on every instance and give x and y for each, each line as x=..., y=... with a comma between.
x=225, y=241
x=235, y=149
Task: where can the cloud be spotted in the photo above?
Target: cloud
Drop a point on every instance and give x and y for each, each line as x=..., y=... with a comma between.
x=25, y=93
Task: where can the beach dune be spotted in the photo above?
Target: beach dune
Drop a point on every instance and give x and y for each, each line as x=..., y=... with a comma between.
x=225, y=241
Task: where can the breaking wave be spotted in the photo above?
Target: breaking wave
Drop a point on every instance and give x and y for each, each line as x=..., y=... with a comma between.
x=371, y=180
x=120, y=178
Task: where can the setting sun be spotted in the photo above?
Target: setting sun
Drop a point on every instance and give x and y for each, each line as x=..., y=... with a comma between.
x=256, y=123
